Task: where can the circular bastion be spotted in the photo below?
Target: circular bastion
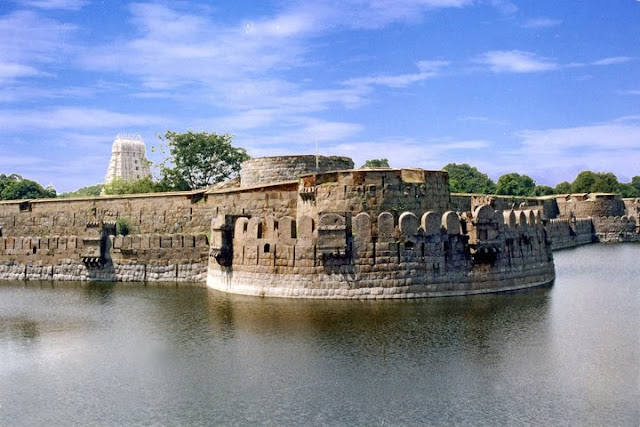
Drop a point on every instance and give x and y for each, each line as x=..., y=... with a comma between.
x=269, y=170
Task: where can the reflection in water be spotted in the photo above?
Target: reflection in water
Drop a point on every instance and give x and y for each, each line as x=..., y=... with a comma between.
x=122, y=354
x=100, y=292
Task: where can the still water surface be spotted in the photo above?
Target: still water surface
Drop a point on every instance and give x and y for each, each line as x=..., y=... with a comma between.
x=104, y=354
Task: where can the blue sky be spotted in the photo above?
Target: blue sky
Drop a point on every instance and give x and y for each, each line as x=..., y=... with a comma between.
x=546, y=88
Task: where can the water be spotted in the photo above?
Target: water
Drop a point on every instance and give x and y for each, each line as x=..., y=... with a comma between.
x=77, y=354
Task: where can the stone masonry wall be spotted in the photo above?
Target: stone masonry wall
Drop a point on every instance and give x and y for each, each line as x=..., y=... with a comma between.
x=154, y=257
x=269, y=170
x=184, y=212
x=568, y=233
x=341, y=256
x=461, y=202
x=374, y=191
x=56, y=239
x=590, y=205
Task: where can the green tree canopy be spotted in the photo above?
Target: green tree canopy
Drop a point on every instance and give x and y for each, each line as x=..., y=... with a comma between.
x=466, y=179
x=375, y=163
x=14, y=187
x=89, y=190
x=514, y=184
x=120, y=186
x=592, y=182
x=199, y=159
x=563, y=187
x=542, y=190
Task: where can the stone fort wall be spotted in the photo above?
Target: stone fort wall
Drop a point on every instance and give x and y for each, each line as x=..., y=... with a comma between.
x=74, y=239
x=374, y=191
x=269, y=170
x=342, y=256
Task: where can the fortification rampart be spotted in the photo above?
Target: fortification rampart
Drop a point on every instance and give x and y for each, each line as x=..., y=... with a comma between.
x=183, y=212
x=590, y=205
x=269, y=170
x=346, y=256
x=568, y=233
x=616, y=229
x=350, y=234
x=75, y=239
x=374, y=191
x=155, y=257
x=467, y=202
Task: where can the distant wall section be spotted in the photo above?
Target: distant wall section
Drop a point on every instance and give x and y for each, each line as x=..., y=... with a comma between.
x=269, y=170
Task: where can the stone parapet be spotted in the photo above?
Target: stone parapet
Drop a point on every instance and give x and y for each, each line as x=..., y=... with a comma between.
x=387, y=256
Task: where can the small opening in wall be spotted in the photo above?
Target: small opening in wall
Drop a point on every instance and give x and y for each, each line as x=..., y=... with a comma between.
x=408, y=245
x=267, y=248
x=34, y=250
x=259, y=234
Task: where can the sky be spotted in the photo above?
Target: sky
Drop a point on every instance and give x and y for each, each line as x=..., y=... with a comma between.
x=546, y=88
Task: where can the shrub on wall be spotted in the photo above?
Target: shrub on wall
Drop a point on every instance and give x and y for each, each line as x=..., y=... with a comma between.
x=123, y=226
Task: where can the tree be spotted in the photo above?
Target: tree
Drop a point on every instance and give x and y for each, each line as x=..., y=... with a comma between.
x=591, y=182
x=562, y=188
x=631, y=189
x=542, y=190
x=199, y=160
x=120, y=186
x=514, y=184
x=466, y=179
x=89, y=190
x=375, y=163
x=14, y=187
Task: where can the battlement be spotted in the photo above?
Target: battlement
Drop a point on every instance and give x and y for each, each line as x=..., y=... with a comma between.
x=342, y=255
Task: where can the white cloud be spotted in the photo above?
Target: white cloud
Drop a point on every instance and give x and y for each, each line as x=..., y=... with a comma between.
x=409, y=152
x=10, y=71
x=542, y=23
x=427, y=69
x=612, y=60
x=55, y=4
x=27, y=41
x=73, y=118
x=558, y=154
x=515, y=61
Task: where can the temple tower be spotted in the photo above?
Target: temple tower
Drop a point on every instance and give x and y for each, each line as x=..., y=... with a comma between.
x=128, y=161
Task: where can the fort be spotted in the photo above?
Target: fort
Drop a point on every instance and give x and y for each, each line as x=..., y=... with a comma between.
x=311, y=226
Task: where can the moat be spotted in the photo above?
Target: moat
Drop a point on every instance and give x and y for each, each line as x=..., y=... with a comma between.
x=127, y=354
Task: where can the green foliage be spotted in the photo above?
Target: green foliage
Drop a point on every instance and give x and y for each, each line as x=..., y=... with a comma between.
x=120, y=186
x=631, y=189
x=375, y=163
x=88, y=191
x=466, y=179
x=514, y=184
x=562, y=188
x=123, y=226
x=199, y=160
x=542, y=190
x=592, y=182
x=14, y=187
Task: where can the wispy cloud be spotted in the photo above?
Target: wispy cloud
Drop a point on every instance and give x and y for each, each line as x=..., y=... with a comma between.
x=426, y=70
x=557, y=152
x=409, y=152
x=542, y=23
x=515, y=61
x=55, y=4
x=613, y=60
x=27, y=41
x=73, y=118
